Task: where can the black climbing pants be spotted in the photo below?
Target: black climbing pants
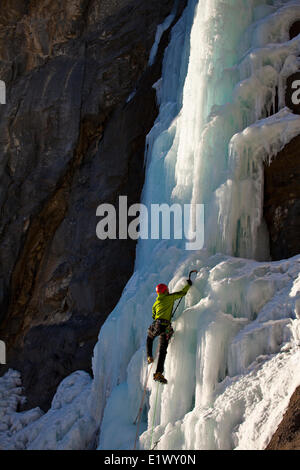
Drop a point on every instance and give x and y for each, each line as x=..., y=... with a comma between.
x=164, y=330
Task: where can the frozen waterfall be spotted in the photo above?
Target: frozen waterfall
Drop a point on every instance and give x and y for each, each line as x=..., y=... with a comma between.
x=240, y=321
x=233, y=362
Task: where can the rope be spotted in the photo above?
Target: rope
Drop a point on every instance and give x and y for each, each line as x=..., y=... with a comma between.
x=154, y=415
x=139, y=415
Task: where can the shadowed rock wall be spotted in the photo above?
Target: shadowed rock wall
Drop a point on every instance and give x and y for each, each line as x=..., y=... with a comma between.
x=69, y=141
x=282, y=201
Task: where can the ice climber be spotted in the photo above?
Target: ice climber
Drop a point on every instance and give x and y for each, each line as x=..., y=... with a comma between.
x=161, y=326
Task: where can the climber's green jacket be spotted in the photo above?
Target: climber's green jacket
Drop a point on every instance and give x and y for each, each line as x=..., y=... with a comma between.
x=163, y=307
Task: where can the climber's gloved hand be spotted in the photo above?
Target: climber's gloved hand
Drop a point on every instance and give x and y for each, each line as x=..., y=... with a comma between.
x=189, y=282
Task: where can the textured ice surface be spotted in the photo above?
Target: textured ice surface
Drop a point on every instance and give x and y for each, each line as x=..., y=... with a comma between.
x=66, y=426
x=231, y=365
x=233, y=362
x=240, y=321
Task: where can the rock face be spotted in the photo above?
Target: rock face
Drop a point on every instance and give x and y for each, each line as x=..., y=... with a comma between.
x=70, y=141
x=282, y=215
x=287, y=436
x=282, y=201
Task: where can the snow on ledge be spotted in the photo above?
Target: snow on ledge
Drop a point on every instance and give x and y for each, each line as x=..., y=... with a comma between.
x=266, y=137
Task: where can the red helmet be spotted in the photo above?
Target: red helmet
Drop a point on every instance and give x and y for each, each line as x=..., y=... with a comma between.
x=161, y=289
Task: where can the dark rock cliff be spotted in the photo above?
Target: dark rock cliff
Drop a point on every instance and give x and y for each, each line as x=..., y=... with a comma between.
x=282, y=201
x=282, y=215
x=287, y=436
x=70, y=140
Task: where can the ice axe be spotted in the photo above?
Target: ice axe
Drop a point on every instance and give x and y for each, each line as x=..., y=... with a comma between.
x=191, y=272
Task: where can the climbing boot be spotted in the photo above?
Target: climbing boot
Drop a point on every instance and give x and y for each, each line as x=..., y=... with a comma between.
x=150, y=359
x=158, y=377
